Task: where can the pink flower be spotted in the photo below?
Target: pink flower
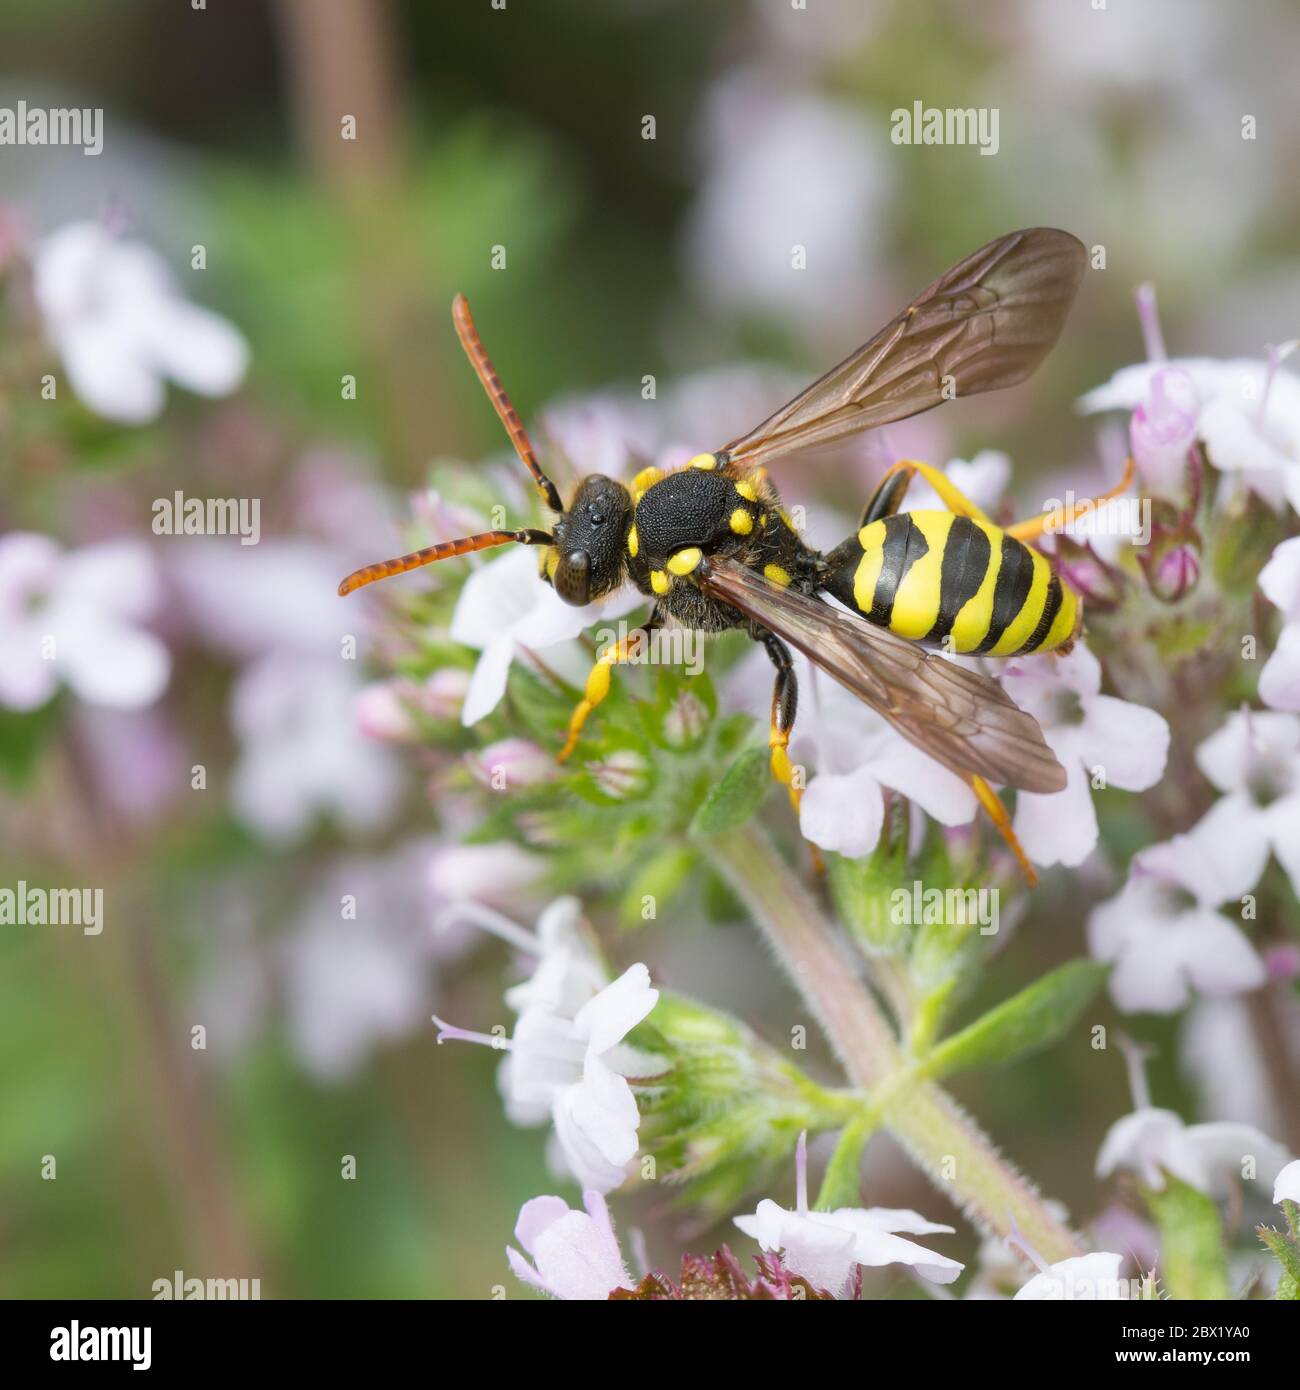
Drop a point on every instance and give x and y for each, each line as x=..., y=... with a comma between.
x=1163, y=430
x=575, y=1254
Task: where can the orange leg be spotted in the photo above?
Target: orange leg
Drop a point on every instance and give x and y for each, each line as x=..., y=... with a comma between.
x=1061, y=517
x=997, y=813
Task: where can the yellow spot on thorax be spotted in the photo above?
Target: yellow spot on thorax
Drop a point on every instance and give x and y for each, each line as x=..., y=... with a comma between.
x=741, y=522
x=659, y=581
x=703, y=461
x=644, y=481
x=776, y=575
x=684, y=561
x=633, y=542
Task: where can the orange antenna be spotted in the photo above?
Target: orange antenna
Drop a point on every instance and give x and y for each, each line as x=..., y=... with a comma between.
x=487, y=374
x=447, y=550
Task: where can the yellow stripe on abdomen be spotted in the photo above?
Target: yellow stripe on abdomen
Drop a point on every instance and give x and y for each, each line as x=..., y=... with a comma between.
x=916, y=600
x=1021, y=627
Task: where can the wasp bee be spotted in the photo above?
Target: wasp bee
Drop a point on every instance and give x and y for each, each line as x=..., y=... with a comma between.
x=714, y=548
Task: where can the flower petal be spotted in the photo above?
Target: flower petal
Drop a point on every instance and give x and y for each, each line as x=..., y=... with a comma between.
x=1279, y=681
x=1128, y=742
x=1280, y=578
x=616, y=1010
x=1060, y=828
x=843, y=814
x=1085, y=1277
x=1287, y=1186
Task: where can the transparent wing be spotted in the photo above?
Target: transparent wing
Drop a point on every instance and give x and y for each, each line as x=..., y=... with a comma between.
x=961, y=719
x=986, y=324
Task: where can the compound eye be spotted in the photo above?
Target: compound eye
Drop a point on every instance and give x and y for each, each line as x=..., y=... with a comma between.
x=572, y=578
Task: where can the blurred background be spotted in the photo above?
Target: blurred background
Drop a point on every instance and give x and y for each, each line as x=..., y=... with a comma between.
x=522, y=128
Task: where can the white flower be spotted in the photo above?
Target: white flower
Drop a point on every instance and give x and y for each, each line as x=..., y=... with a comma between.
x=570, y=1067
x=824, y=1247
x=301, y=752
x=785, y=170
x=1163, y=930
x=1286, y=1188
x=1254, y=760
x=857, y=755
x=1279, y=681
x=500, y=873
x=1094, y=736
x=1152, y=1142
x=114, y=315
x=77, y=618
x=353, y=981
x=1085, y=1277
x=1248, y=420
x=575, y=1254
x=505, y=606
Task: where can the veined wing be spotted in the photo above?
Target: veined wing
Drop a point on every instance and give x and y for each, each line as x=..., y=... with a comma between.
x=960, y=718
x=986, y=324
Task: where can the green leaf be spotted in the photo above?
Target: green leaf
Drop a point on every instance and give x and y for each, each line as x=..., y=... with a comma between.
x=736, y=797
x=1287, y=1252
x=1033, y=1019
x=1193, y=1260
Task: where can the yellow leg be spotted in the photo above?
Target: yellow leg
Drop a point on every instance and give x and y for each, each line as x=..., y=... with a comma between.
x=597, y=688
x=952, y=496
x=1059, y=519
x=785, y=702
x=997, y=812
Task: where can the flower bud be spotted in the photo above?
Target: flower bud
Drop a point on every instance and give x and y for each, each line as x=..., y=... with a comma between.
x=1101, y=585
x=728, y=1106
x=512, y=763
x=1162, y=431
x=623, y=774
x=1172, y=560
x=383, y=711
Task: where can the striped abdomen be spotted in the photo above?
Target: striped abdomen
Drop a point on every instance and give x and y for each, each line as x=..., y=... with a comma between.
x=936, y=578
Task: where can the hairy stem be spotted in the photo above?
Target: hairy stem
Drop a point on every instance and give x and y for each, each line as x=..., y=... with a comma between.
x=943, y=1141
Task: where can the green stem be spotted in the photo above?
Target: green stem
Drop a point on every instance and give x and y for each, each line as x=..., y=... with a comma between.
x=943, y=1141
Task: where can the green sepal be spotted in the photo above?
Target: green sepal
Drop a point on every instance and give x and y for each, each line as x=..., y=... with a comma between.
x=1287, y=1252
x=1193, y=1259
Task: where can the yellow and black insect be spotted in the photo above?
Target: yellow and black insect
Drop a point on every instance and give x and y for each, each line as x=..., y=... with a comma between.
x=713, y=546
